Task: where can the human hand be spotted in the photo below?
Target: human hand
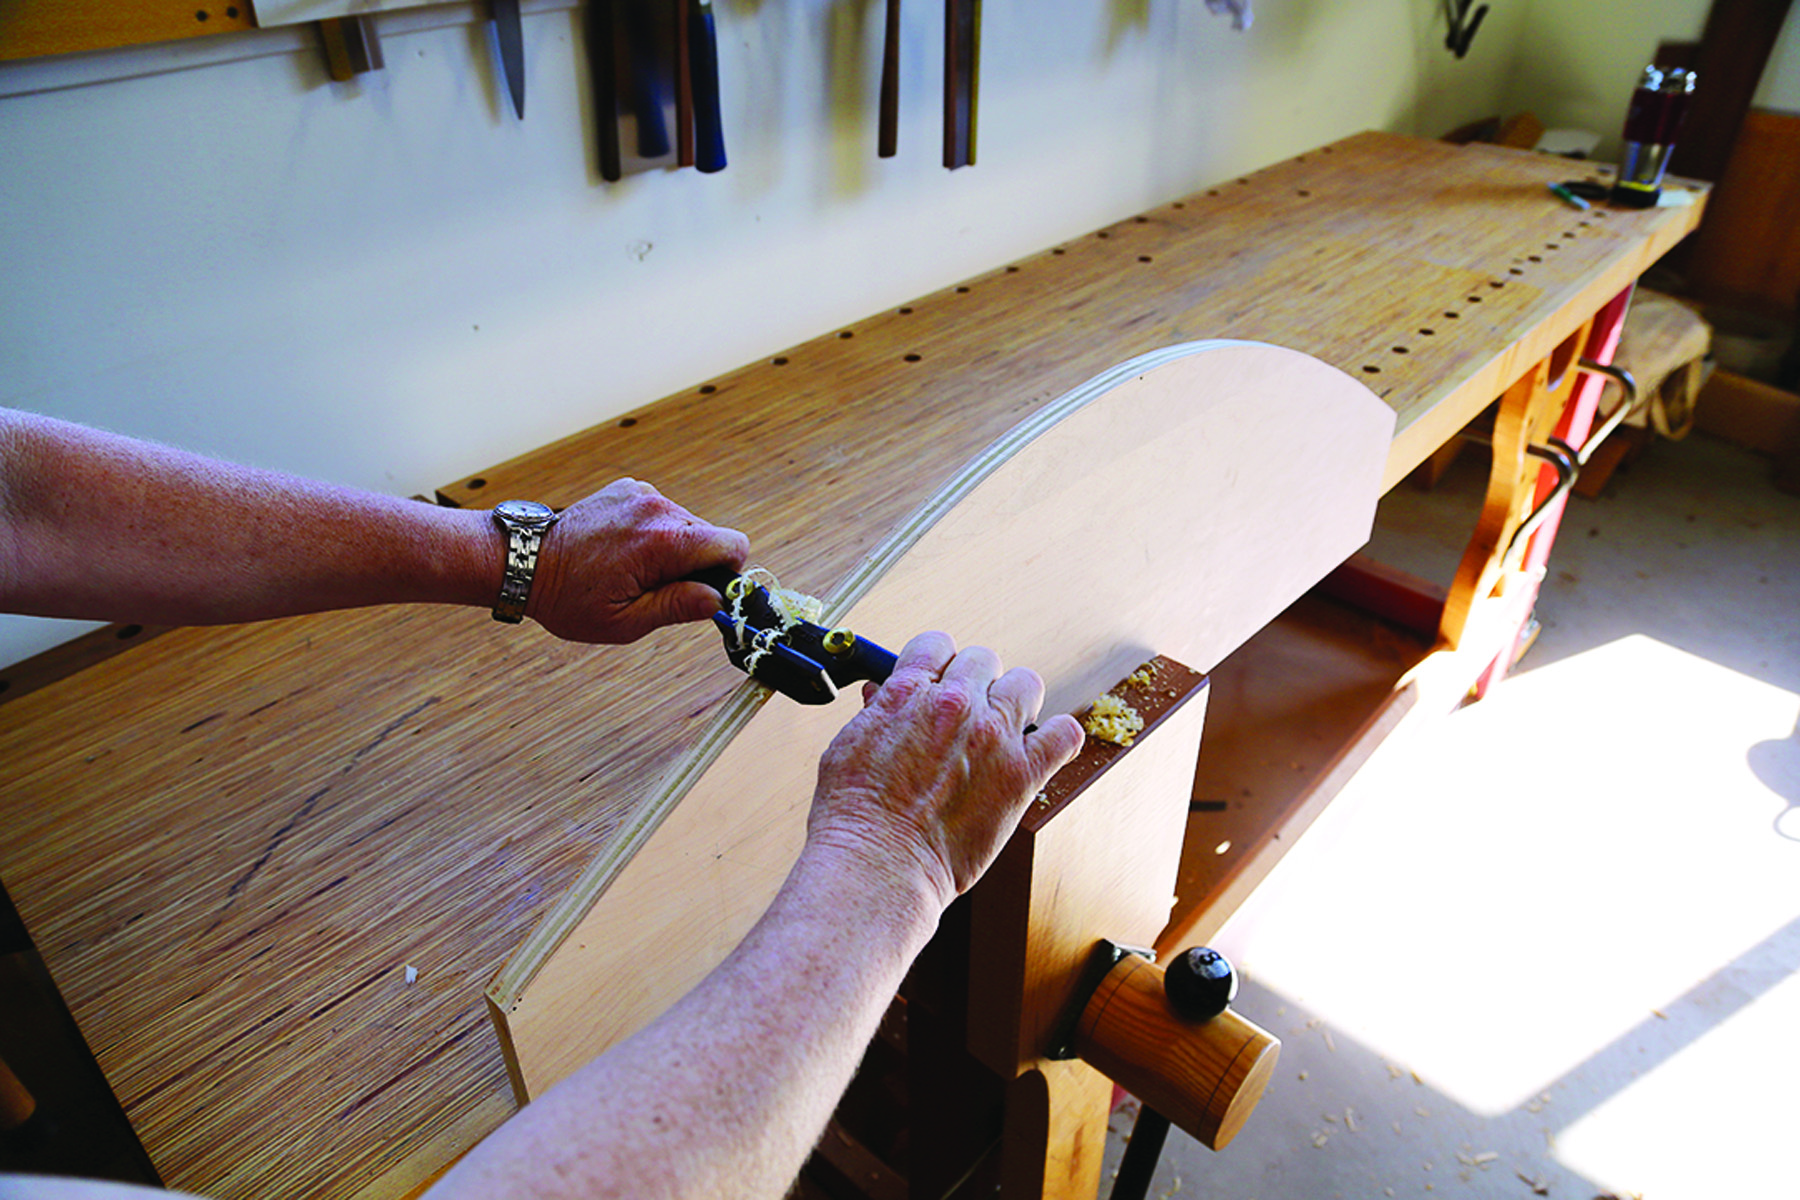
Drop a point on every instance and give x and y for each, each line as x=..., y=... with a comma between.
x=612, y=568
x=935, y=772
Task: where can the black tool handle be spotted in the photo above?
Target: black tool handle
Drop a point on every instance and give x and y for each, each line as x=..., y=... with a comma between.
x=717, y=578
x=709, y=129
x=648, y=80
x=888, y=132
x=603, y=75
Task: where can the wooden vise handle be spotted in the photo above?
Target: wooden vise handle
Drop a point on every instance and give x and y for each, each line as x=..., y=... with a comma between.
x=1206, y=1077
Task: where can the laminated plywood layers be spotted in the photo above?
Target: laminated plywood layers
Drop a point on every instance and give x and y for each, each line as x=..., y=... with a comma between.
x=1172, y=505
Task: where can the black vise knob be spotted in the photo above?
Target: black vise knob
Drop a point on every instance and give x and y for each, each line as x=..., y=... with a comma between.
x=1199, y=983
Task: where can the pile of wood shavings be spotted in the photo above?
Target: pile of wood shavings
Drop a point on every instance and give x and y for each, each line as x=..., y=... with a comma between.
x=1112, y=720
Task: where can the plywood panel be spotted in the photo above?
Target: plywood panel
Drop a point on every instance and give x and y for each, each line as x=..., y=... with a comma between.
x=1064, y=547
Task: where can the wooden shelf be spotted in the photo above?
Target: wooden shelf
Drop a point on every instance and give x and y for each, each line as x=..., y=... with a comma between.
x=1294, y=713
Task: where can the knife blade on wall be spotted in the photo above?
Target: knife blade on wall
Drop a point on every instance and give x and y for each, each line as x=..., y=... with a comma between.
x=510, y=36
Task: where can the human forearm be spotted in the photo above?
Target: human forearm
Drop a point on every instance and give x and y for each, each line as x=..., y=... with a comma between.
x=104, y=527
x=727, y=1092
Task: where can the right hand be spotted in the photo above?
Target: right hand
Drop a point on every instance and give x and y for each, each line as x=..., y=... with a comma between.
x=613, y=566
x=935, y=772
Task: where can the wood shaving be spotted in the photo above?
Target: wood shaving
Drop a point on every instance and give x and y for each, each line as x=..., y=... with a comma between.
x=1319, y=1139
x=1538, y=1186
x=1112, y=720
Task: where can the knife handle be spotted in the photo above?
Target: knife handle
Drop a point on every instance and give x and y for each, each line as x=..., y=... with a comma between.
x=603, y=76
x=709, y=128
x=646, y=80
x=888, y=131
x=684, y=88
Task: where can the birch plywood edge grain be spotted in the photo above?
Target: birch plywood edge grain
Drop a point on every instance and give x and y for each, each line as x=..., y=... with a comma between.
x=1174, y=505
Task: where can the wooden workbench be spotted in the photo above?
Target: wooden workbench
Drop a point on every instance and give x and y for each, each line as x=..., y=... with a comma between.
x=230, y=844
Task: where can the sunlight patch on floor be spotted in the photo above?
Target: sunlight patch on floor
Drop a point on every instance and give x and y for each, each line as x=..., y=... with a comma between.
x=1496, y=902
x=1727, y=1095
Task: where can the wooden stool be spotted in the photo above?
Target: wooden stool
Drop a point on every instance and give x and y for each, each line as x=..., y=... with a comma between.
x=1663, y=346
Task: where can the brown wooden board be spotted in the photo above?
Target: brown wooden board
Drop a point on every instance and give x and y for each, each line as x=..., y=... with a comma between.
x=31, y=28
x=1067, y=546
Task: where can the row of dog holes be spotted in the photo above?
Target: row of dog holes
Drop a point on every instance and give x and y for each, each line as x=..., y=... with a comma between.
x=781, y=360
x=1496, y=284
x=708, y=389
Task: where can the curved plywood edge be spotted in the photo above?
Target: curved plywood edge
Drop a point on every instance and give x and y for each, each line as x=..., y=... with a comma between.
x=1172, y=505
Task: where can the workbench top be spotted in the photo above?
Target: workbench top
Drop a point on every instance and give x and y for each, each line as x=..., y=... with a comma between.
x=231, y=844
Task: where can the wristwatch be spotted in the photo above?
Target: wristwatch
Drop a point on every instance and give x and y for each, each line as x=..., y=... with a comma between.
x=525, y=523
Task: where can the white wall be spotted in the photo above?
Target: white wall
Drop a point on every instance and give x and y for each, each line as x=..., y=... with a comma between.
x=1578, y=63
x=394, y=283
x=1780, y=86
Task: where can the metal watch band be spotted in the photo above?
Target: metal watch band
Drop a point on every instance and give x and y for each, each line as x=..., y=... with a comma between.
x=524, y=522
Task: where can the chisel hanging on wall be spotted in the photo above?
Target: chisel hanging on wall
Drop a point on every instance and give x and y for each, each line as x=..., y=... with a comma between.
x=888, y=133
x=509, y=34
x=709, y=128
x=603, y=77
x=962, y=69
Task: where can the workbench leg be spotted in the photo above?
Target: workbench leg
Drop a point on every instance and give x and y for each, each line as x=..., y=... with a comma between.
x=1577, y=421
x=1056, y=1116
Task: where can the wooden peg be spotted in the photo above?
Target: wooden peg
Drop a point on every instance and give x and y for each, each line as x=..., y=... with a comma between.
x=1206, y=1077
x=16, y=1103
x=351, y=47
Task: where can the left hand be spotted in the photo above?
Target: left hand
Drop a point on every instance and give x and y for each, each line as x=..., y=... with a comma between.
x=612, y=568
x=928, y=781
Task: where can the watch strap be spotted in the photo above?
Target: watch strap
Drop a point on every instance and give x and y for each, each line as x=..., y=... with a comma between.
x=524, y=538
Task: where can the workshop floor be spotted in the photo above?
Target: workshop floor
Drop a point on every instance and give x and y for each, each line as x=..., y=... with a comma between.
x=1553, y=948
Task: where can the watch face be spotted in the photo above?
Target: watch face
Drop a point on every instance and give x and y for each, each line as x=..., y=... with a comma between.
x=528, y=512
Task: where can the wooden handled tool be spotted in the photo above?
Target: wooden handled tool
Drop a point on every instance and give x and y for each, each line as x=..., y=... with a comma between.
x=648, y=84
x=684, y=89
x=888, y=132
x=1176, y=1047
x=962, y=67
x=603, y=74
x=709, y=127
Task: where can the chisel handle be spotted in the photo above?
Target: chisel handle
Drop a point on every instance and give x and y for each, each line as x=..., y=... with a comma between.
x=709, y=129
x=888, y=132
x=603, y=74
x=648, y=86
